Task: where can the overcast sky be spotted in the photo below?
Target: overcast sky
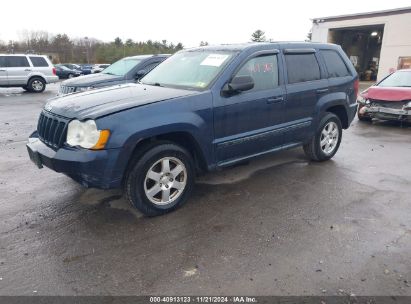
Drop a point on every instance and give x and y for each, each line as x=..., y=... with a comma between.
x=186, y=21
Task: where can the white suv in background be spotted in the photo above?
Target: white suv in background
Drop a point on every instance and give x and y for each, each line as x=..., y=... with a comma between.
x=31, y=72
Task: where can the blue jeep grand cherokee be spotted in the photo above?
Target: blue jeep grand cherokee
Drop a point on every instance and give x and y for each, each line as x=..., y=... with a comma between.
x=201, y=109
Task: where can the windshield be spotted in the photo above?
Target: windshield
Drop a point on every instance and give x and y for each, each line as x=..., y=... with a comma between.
x=189, y=69
x=122, y=67
x=397, y=79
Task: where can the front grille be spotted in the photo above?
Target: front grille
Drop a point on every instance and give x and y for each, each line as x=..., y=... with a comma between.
x=52, y=130
x=387, y=104
x=66, y=90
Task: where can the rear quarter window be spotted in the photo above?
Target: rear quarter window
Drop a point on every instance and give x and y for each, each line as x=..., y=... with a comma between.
x=335, y=64
x=2, y=61
x=39, y=62
x=302, y=68
x=17, y=61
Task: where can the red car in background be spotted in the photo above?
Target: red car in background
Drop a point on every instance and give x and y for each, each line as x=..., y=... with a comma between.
x=390, y=99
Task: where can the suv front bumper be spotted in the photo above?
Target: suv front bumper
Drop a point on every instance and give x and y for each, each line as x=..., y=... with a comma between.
x=90, y=168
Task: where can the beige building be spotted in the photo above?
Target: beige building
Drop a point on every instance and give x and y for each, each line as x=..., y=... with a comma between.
x=377, y=43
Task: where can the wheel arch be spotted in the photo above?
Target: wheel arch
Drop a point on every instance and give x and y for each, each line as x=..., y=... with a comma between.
x=182, y=138
x=36, y=76
x=341, y=112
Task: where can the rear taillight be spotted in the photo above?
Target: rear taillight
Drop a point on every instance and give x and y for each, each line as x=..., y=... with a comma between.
x=54, y=71
x=356, y=86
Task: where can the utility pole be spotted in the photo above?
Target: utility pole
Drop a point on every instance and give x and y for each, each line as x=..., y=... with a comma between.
x=87, y=50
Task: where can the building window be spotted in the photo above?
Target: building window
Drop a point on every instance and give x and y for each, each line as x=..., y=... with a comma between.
x=404, y=63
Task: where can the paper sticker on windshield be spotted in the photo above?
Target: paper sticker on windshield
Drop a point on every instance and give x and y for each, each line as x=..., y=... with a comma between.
x=214, y=60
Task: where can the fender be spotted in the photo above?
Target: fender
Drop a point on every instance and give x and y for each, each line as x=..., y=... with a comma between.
x=191, y=115
x=328, y=101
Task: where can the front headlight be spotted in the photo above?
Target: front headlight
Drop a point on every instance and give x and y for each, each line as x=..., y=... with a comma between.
x=362, y=100
x=86, y=135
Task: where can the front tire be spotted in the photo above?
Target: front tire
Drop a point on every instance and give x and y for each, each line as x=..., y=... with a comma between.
x=327, y=139
x=161, y=180
x=36, y=85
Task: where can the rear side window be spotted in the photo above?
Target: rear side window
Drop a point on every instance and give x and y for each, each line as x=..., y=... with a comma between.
x=302, y=67
x=335, y=65
x=17, y=62
x=39, y=62
x=264, y=71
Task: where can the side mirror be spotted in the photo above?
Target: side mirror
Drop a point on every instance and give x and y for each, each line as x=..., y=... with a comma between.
x=239, y=84
x=140, y=74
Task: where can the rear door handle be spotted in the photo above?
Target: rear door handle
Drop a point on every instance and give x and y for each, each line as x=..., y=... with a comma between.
x=320, y=91
x=2, y=70
x=275, y=99
x=27, y=70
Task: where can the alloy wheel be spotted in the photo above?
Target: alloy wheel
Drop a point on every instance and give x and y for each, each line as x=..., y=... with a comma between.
x=329, y=137
x=165, y=181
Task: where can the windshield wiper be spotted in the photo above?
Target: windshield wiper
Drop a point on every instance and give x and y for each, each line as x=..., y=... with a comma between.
x=109, y=73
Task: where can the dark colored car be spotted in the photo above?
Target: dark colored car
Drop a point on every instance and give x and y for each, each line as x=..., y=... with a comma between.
x=86, y=68
x=72, y=66
x=65, y=73
x=128, y=69
x=201, y=109
x=390, y=99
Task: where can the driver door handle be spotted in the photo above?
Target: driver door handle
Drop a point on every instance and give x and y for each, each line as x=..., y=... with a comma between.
x=275, y=99
x=320, y=91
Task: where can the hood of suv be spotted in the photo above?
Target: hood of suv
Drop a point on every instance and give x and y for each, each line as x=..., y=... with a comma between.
x=101, y=102
x=91, y=79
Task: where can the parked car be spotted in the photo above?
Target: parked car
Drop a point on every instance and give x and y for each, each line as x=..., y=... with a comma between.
x=66, y=73
x=390, y=99
x=201, y=109
x=31, y=72
x=97, y=68
x=86, y=69
x=72, y=66
x=128, y=69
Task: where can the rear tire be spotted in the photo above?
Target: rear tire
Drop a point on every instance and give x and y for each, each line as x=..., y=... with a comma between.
x=326, y=141
x=36, y=85
x=161, y=180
